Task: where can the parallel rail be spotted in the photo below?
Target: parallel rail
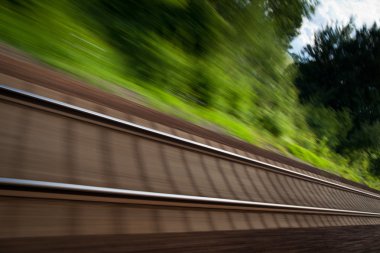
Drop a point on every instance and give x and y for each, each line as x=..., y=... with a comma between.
x=154, y=198
x=161, y=136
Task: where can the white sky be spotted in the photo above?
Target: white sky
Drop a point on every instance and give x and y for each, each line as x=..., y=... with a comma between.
x=329, y=11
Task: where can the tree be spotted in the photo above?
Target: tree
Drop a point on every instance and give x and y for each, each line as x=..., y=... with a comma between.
x=287, y=15
x=200, y=49
x=341, y=71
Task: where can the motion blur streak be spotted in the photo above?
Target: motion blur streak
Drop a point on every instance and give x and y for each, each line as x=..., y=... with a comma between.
x=92, y=193
x=86, y=164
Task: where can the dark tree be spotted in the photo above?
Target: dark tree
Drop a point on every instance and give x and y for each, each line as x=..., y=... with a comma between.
x=342, y=71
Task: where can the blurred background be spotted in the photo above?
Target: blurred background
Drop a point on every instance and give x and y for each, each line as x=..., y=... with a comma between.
x=238, y=66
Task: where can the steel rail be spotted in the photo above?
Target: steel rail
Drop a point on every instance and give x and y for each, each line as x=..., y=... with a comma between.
x=54, y=186
x=62, y=105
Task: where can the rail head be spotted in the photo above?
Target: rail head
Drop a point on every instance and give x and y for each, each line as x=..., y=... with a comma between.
x=21, y=94
x=210, y=202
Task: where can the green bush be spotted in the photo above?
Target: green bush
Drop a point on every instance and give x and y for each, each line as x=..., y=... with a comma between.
x=366, y=138
x=329, y=126
x=375, y=166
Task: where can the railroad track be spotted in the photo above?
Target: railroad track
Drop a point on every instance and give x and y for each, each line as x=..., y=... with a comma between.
x=68, y=171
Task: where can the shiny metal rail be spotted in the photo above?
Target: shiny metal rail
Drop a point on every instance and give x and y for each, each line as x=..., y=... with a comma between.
x=51, y=103
x=31, y=185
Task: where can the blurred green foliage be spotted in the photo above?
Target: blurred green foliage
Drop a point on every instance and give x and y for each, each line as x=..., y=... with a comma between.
x=329, y=125
x=340, y=80
x=209, y=61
